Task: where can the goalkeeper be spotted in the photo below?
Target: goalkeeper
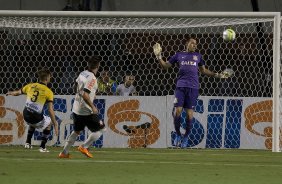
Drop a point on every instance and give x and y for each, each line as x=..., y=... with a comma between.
x=187, y=86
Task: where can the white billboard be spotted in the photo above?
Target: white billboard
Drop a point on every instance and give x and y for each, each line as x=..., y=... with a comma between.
x=219, y=122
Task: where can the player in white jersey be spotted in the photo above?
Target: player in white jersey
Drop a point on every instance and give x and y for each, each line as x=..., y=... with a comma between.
x=85, y=114
x=127, y=88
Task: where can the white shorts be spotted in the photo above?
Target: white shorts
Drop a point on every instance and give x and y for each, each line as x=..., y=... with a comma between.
x=42, y=124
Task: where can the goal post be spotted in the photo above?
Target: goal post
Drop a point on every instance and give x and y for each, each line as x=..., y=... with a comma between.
x=276, y=135
x=240, y=112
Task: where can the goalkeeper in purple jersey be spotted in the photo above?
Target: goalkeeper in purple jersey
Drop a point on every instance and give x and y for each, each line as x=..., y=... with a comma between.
x=187, y=86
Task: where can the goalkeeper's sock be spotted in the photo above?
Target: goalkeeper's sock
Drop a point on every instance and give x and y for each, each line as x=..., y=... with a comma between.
x=71, y=139
x=177, y=120
x=188, y=127
x=44, y=138
x=30, y=133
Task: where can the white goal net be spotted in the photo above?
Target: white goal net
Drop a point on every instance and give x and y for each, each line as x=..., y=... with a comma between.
x=231, y=113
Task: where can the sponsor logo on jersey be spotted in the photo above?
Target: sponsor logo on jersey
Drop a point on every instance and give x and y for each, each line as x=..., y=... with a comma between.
x=91, y=84
x=193, y=63
x=195, y=58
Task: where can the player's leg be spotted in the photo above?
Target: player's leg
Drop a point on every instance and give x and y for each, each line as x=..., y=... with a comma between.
x=177, y=125
x=30, y=133
x=84, y=148
x=78, y=127
x=178, y=107
x=45, y=126
x=96, y=126
x=44, y=139
x=32, y=119
x=68, y=144
x=42, y=124
x=189, y=119
x=189, y=105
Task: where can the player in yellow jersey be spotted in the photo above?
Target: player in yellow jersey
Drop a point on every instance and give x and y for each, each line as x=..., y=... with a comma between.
x=38, y=94
x=106, y=86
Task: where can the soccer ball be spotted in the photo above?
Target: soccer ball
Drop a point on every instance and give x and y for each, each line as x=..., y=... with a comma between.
x=229, y=35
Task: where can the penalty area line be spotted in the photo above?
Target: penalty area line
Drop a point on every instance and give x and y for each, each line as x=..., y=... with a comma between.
x=176, y=152
x=138, y=162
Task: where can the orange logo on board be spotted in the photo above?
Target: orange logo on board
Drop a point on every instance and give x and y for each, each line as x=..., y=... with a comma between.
x=140, y=135
x=257, y=113
x=7, y=125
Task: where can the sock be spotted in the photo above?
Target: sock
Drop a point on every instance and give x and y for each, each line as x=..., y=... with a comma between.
x=188, y=127
x=30, y=133
x=177, y=120
x=94, y=136
x=44, y=138
x=71, y=139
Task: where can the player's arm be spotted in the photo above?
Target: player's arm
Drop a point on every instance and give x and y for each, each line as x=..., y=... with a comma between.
x=86, y=91
x=164, y=64
x=52, y=116
x=158, y=53
x=19, y=91
x=207, y=72
x=86, y=98
x=15, y=93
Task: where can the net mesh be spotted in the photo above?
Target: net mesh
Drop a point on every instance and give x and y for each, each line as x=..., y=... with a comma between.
x=227, y=110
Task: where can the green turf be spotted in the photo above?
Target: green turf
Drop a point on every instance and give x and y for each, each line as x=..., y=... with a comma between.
x=136, y=166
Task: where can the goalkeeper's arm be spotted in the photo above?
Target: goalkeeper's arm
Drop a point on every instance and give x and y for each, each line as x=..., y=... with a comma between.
x=207, y=72
x=158, y=53
x=164, y=64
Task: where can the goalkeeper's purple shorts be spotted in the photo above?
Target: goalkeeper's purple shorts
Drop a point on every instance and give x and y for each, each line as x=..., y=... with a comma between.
x=185, y=97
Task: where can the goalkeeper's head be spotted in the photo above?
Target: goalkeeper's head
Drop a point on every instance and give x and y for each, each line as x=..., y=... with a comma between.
x=191, y=45
x=94, y=63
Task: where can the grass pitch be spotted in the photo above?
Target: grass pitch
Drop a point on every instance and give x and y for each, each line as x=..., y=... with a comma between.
x=140, y=166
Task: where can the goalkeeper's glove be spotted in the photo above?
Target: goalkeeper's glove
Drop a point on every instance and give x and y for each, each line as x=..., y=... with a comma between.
x=221, y=75
x=158, y=50
x=217, y=75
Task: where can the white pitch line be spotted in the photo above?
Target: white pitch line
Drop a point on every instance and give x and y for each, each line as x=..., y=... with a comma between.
x=86, y=160
x=171, y=152
x=187, y=153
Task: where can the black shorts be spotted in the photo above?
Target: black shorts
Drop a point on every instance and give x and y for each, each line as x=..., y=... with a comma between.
x=31, y=116
x=92, y=122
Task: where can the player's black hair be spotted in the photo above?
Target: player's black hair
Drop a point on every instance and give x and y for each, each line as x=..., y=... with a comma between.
x=93, y=62
x=43, y=74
